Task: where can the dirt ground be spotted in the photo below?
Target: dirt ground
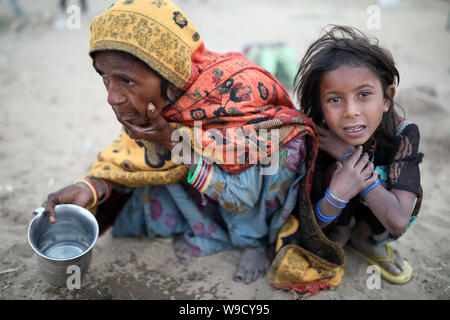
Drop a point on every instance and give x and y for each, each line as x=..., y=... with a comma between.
x=54, y=119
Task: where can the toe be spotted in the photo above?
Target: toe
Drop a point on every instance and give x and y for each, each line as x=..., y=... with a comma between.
x=240, y=274
x=251, y=276
x=399, y=261
x=393, y=266
x=390, y=267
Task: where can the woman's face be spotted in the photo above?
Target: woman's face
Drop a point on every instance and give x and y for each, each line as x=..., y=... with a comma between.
x=130, y=86
x=352, y=102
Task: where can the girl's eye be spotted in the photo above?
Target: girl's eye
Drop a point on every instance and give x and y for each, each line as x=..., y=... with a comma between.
x=365, y=94
x=334, y=99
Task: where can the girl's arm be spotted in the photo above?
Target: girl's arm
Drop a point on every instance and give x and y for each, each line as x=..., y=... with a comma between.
x=392, y=208
x=350, y=178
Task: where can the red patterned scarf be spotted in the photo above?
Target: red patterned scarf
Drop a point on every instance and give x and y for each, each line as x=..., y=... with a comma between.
x=228, y=92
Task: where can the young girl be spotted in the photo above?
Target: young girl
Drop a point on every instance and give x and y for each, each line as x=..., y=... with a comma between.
x=366, y=186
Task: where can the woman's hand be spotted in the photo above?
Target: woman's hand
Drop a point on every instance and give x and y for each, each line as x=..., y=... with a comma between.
x=333, y=145
x=354, y=176
x=78, y=194
x=158, y=131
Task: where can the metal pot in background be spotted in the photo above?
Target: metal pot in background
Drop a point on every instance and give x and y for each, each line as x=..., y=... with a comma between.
x=64, y=246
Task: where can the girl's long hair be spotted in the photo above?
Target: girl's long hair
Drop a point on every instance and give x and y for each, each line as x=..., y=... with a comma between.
x=343, y=45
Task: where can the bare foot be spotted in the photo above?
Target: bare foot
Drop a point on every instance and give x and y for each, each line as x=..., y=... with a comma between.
x=182, y=249
x=253, y=264
x=361, y=240
x=340, y=234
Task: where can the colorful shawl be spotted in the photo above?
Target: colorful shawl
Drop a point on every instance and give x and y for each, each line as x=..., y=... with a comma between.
x=226, y=94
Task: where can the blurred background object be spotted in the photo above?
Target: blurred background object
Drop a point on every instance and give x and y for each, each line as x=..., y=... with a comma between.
x=277, y=58
x=17, y=8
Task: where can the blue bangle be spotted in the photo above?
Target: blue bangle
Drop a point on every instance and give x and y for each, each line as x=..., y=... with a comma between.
x=336, y=206
x=370, y=188
x=336, y=198
x=345, y=156
x=323, y=218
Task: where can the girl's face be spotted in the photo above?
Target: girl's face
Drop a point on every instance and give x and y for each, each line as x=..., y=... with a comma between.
x=352, y=102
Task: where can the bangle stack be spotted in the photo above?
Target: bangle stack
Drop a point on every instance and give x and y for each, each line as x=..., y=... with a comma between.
x=201, y=177
x=328, y=195
x=94, y=191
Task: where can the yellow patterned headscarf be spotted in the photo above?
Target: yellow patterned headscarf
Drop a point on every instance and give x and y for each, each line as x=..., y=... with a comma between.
x=155, y=31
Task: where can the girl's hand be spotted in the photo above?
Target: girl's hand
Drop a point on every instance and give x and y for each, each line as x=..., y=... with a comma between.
x=78, y=194
x=158, y=131
x=354, y=176
x=332, y=144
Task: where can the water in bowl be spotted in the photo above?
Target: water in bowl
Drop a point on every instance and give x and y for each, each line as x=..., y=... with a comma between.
x=62, y=241
x=64, y=249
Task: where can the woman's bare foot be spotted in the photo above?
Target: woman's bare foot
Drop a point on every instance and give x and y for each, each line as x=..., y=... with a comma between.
x=253, y=264
x=182, y=250
x=361, y=239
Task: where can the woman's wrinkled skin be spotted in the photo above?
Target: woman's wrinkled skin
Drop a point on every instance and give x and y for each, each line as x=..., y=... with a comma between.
x=134, y=93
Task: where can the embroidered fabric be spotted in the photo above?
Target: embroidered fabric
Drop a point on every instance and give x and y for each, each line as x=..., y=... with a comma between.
x=404, y=171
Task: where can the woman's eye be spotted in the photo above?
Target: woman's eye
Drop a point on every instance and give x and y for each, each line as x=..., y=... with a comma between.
x=334, y=99
x=129, y=82
x=365, y=94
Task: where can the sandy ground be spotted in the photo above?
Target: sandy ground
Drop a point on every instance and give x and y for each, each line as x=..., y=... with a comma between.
x=54, y=119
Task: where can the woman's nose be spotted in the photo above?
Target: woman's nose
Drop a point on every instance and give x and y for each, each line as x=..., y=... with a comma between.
x=115, y=96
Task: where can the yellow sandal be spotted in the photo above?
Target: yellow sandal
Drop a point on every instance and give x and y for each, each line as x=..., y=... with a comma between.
x=402, y=278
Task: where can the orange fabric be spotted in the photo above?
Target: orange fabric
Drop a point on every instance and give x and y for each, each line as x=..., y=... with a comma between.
x=227, y=92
